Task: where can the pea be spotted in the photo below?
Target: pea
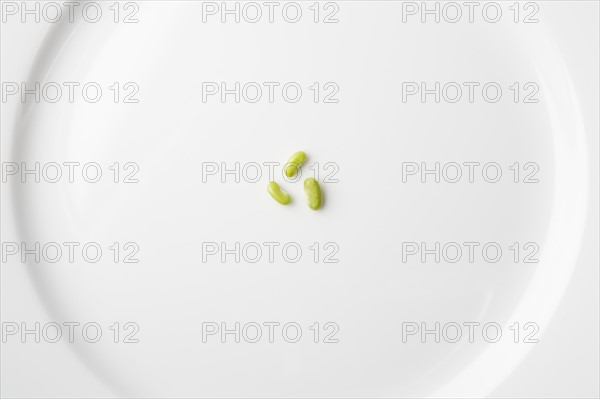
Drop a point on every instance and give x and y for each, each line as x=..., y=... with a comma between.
x=314, y=196
x=294, y=163
x=278, y=195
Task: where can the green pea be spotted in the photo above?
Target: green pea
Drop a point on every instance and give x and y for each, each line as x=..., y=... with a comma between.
x=294, y=163
x=314, y=196
x=278, y=195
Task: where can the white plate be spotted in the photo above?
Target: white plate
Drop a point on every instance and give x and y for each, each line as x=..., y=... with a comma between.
x=368, y=213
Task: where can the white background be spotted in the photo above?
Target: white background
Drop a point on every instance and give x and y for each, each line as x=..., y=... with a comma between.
x=563, y=364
